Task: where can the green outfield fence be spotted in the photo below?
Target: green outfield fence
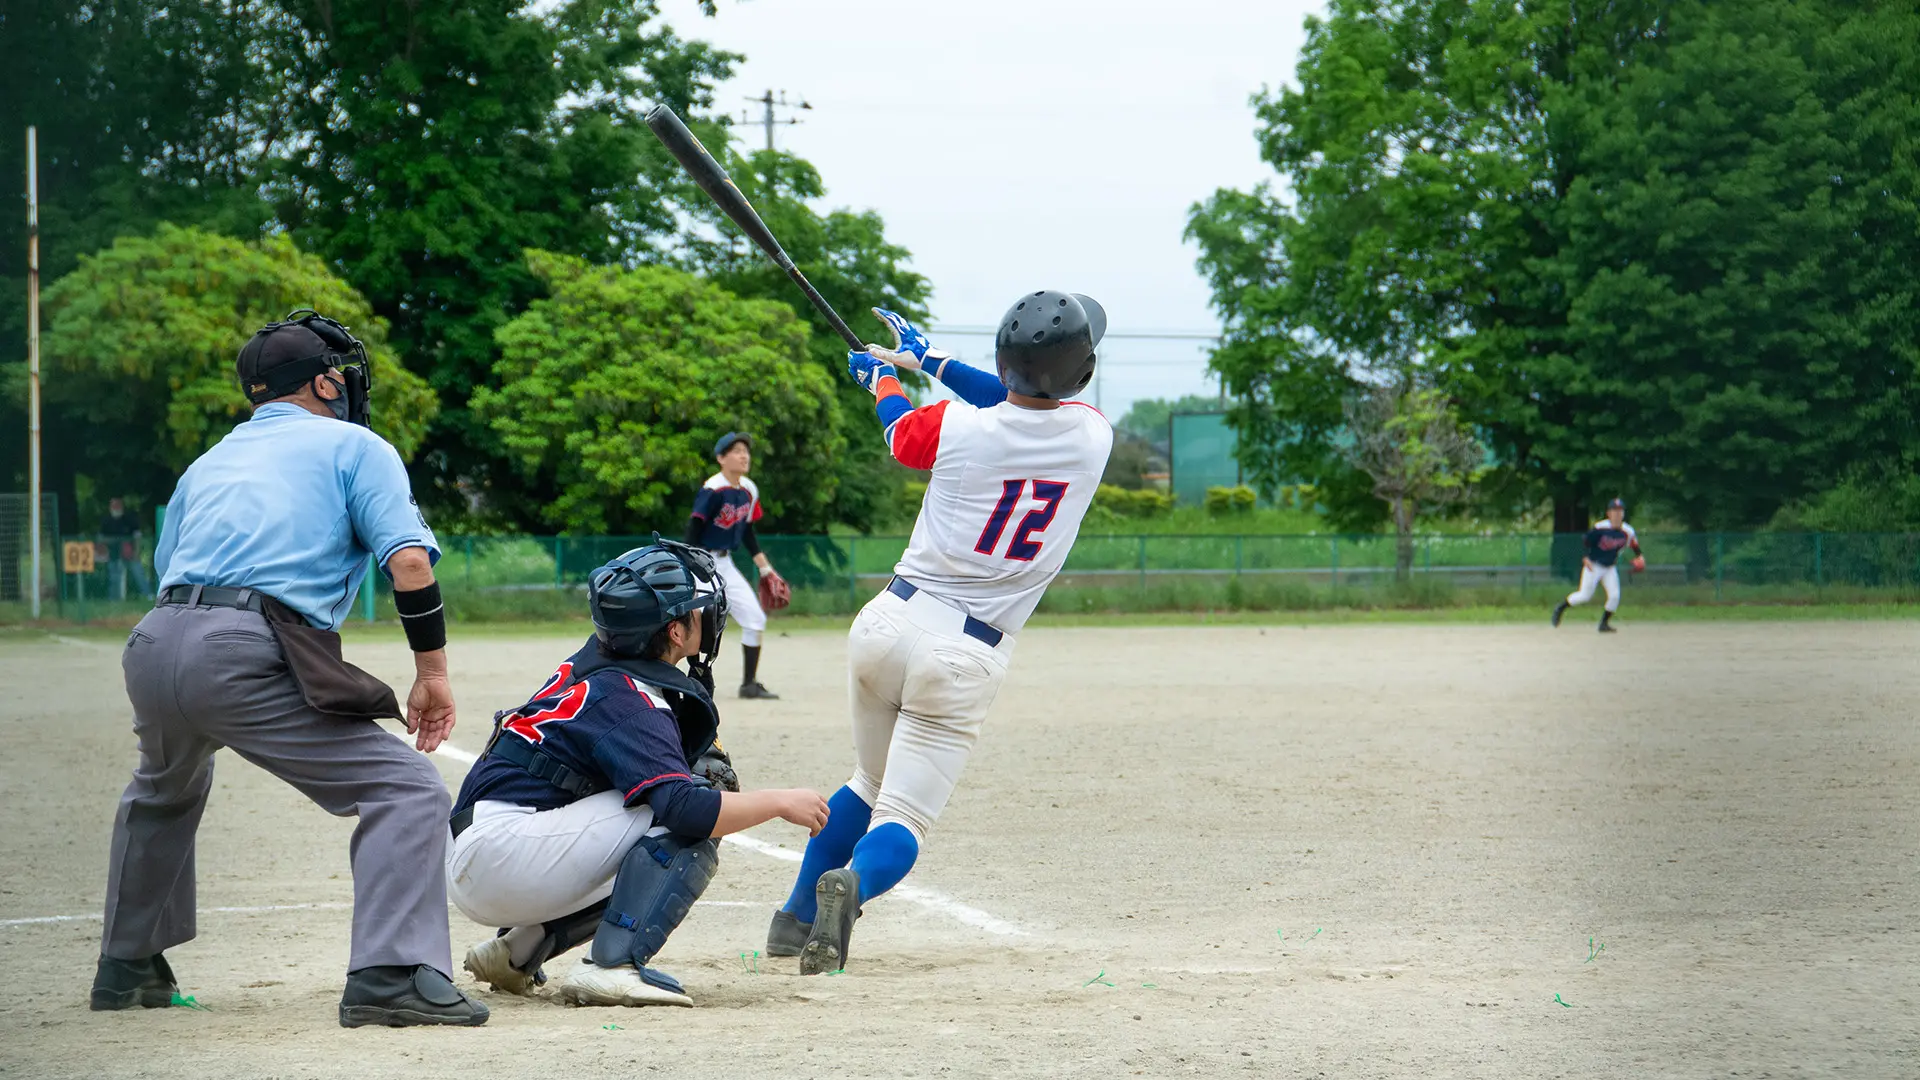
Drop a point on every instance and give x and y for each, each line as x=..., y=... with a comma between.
x=495, y=578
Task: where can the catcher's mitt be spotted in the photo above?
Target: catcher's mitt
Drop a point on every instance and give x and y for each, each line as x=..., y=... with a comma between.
x=1639, y=563
x=774, y=591
x=716, y=767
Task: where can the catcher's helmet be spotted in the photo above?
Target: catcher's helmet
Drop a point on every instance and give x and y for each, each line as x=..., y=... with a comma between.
x=632, y=597
x=1045, y=343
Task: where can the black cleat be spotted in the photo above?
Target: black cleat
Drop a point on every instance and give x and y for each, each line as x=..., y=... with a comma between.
x=399, y=996
x=755, y=690
x=1559, y=611
x=787, y=934
x=122, y=984
x=825, y=951
x=1606, y=624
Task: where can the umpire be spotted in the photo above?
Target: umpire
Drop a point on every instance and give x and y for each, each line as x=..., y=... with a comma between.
x=265, y=543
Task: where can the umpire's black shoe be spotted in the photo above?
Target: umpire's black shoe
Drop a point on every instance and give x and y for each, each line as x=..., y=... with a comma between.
x=755, y=690
x=399, y=996
x=1559, y=611
x=122, y=984
x=838, y=894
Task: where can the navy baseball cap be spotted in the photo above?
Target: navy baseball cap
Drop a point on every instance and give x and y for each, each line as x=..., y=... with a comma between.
x=726, y=442
x=281, y=346
x=1617, y=504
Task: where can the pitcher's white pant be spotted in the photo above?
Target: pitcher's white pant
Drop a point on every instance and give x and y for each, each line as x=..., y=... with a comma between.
x=743, y=603
x=1605, y=576
x=920, y=690
x=517, y=866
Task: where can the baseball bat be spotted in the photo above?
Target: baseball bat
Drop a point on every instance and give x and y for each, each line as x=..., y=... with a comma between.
x=720, y=187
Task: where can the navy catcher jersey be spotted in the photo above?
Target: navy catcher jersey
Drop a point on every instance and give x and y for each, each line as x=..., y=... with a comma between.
x=607, y=726
x=1604, y=542
x=726, y=511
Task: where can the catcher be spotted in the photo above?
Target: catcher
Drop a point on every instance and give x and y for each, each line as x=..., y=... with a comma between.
x=1604, y=543
x=723, y=517
x=592, y=815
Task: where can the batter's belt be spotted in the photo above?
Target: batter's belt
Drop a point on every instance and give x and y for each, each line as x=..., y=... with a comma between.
x=972, y=627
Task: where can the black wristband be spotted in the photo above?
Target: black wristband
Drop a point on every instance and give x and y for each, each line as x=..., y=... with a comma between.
x=423, y=616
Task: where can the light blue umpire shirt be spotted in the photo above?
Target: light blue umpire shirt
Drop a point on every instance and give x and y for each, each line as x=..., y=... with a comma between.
x=291, y=504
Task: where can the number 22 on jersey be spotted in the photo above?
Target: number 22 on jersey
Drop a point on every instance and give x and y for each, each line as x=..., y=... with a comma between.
x=1024, y=545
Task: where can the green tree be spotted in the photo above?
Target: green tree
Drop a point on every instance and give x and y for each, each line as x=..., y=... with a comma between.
x=611, y=390
x=1412, y=156
x=1736, y=250
x=141, y=339
x=1420, y=457
x=443, y=140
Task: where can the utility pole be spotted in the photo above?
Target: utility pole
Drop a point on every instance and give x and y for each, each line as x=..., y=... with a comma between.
x=33, y=364
x=768, y=103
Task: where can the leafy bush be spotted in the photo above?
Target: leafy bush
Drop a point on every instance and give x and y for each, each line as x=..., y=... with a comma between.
x=1222, y=501
x=1122, y=502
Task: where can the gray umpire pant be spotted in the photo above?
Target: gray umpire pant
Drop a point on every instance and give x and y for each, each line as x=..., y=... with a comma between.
x=208, y=677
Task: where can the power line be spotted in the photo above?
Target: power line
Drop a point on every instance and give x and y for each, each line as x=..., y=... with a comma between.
x=767, y=119
x=1134, y=335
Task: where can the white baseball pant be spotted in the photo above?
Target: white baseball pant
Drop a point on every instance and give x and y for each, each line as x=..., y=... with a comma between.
x=743, y=603
x=920, y=689
x=517, y=866
x=1590, y=576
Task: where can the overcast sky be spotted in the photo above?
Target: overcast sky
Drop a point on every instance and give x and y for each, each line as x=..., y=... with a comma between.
x=1024, y=145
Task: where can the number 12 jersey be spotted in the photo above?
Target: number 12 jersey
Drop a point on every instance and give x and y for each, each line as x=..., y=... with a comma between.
x=1009, y=489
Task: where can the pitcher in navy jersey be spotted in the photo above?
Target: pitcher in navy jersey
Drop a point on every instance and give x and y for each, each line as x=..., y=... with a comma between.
x=1604, y=542
x=723, y=515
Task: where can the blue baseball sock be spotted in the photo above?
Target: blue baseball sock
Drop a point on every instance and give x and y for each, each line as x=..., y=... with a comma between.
x=883, y=857
x=847, y=818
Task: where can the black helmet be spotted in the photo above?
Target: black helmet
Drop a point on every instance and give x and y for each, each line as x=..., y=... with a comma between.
x=1045, y=343
x=632, y=597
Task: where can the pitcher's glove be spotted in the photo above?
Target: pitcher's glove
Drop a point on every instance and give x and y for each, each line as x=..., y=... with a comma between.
x=1639, y=563
x=716, y=768
x=775, y=593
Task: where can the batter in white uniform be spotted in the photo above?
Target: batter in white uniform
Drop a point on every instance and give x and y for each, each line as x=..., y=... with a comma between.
x=1014, y=468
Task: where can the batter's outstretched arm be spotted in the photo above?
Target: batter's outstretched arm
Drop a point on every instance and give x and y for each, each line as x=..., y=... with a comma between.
x=980, y=389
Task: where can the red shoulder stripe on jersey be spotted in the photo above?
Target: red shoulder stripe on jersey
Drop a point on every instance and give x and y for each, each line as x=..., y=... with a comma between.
x=1084, y=405
x=915, y=437
x=648, y=697
x=645, y=784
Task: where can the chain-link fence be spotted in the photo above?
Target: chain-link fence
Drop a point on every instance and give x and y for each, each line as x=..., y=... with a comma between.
x=503, y=578
x=16, y=554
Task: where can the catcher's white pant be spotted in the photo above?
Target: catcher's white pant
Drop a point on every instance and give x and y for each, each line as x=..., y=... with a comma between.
x=743, y=603
x=920, y=690
x=517, y=866
x=1590, y=576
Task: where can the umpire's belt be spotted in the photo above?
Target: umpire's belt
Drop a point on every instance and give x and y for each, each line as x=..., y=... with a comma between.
x=973, y=627
x=225, y=596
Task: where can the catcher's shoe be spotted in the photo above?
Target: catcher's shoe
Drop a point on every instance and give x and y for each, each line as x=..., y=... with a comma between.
x=755, y=690
x=1559, y=611
x=122, y=984
x=787, y=934
x=622, y=984
x=491, y=962
x=401, y=996
x=838, y=894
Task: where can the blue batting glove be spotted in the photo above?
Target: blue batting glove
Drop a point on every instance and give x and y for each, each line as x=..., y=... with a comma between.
x=911, y=349
x=868, y=369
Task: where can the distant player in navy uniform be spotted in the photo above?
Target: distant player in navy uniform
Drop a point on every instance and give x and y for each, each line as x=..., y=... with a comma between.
x=723, y=515
x=1604, y=543
x=594, y=811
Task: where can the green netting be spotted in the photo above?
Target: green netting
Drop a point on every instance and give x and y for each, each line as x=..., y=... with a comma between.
x=1200, y=455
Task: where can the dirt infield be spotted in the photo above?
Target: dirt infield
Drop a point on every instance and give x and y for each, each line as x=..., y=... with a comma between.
x=1336, y=851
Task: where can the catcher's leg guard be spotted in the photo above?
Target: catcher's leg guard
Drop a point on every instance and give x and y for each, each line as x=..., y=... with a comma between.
x=657, y=884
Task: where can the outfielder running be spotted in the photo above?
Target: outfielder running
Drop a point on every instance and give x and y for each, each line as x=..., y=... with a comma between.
x=1014, y=471
x=1603, y=545
x=592, y=814
x=723, y=515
